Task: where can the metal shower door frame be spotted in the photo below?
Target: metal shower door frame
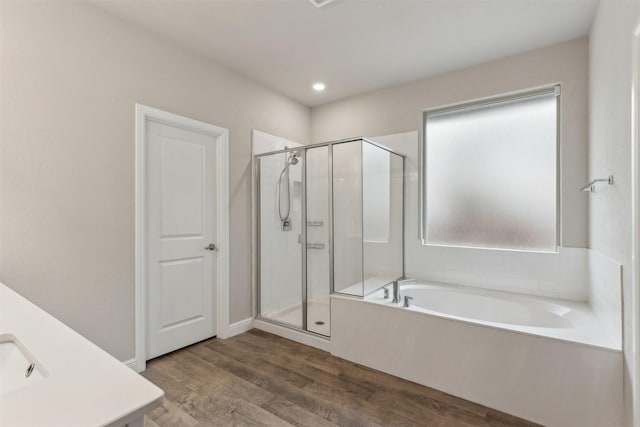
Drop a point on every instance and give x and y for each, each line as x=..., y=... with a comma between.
x=304, y=219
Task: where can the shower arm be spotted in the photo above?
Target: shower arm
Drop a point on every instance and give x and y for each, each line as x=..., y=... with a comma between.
x=591, y=187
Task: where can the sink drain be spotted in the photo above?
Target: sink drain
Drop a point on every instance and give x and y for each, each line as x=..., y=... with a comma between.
x=319, y=323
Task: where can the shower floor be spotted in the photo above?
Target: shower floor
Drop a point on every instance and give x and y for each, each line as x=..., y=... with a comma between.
x=318, y=317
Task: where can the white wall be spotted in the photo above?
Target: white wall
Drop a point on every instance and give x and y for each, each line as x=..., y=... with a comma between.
x=262, y=142
x=70, y=76
x=610, y=150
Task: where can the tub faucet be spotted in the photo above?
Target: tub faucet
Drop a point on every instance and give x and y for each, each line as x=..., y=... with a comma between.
x=396, y=291
x=396, y=288
x=407, y=298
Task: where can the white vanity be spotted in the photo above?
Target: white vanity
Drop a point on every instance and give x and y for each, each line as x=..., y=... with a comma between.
x=52, y=376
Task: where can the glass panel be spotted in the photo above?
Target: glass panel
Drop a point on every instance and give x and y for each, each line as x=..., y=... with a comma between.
x=491, y=176
x=347, y=218
x=280, y=219
x=376, y=187
x=318, y=240
x=382, y=191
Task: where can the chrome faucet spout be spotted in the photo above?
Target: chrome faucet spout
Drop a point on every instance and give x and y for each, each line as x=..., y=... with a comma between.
x=396, y=292
x=397, y=298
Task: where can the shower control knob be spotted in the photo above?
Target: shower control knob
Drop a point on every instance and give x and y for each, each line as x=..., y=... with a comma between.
x=211, y=247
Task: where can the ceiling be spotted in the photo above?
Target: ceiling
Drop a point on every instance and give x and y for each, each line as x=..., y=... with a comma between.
x=355, y=46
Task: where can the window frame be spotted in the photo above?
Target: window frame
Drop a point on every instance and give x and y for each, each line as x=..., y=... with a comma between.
x=555, y=89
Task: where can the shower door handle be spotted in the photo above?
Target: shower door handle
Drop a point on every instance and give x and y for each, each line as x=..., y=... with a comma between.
x=211, y=247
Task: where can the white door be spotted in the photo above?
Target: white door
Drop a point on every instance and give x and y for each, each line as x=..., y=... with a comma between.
x=181, y=227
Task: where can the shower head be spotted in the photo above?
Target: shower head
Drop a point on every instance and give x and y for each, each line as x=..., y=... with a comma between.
x=293, y=159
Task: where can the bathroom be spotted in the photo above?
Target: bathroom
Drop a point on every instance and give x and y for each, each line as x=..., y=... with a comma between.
x=79, y=78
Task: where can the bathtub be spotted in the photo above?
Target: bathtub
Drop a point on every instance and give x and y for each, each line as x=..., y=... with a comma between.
x=487, y=308
x=545, y=317
x=546, y=360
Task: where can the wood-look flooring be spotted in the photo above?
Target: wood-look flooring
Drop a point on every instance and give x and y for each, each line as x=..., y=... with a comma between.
x=261, y=379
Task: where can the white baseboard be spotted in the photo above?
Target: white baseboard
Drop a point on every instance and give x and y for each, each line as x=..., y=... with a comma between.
x=232, y=330
x=301, y=337
x=131, y=363
x=240, y=327
x=244, y=325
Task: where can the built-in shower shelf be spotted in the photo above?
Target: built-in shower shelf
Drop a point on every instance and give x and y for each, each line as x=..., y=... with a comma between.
x=315, y=223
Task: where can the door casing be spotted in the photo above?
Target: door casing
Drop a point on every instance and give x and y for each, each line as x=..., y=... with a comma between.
x=635, y=224
x=221, y=135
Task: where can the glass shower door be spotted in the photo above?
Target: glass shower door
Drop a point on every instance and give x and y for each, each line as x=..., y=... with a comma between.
x=280, y=213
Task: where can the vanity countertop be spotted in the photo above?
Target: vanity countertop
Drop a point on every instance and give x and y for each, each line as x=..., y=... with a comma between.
x=84, y=386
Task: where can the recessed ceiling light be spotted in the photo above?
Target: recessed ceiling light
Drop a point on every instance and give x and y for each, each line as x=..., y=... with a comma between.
x=319, y=87
x=320, y=3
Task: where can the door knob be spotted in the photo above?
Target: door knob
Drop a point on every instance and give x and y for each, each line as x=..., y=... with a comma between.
x=211, y=247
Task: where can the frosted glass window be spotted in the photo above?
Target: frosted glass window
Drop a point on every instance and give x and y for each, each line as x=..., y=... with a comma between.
x=491, y=175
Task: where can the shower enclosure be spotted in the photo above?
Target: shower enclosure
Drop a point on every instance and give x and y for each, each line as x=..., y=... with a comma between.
x=330, y=219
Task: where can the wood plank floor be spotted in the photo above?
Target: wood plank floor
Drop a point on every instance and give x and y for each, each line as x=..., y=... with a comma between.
x=259, y=379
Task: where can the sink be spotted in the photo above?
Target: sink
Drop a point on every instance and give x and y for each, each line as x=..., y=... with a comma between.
x=18, y=367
